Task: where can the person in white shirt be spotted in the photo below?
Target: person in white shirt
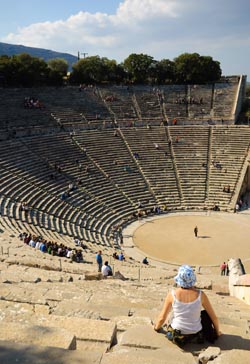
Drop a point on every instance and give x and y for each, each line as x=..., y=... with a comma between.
x=186, y=303
x=106, y=270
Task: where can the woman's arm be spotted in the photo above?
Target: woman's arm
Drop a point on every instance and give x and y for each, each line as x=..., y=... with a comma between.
x=164, y=312
x=208, y=307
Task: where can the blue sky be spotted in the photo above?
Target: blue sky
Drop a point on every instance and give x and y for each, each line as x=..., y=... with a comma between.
x=115, y=29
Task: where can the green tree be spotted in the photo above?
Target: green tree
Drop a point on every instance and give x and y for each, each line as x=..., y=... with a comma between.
x=210, y=70
x=58, y=68
x=97, y=70
x=5, y=70
x=28, y=71
x=139, y=67
x=187, y=68
x=193, y=68
x=113, y=72
x=59, y=65
x=165, y=71
x=88, y=70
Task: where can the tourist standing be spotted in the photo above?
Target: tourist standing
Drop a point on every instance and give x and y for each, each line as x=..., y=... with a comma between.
x=99, y=260
x=223, y=268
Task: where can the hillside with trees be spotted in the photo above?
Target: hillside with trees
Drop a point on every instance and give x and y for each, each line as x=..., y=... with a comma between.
x=24, y=70
x=45, y=54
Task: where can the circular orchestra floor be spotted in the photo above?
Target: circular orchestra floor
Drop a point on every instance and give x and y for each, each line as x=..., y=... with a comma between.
x=221, y=236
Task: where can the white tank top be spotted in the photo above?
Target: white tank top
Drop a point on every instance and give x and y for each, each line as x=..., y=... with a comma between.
x=187, y=316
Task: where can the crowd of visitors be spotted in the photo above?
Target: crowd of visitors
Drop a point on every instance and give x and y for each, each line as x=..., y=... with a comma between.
x=52, y=247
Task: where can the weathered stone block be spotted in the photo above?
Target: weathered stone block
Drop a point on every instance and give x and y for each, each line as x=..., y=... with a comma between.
x=38, y=335
x=125, y=322
x=27, y=354
x=142, y=336
x=168, y=355
x=233, y=357
x=209, y=354
x=84, y=329
x=93, y=276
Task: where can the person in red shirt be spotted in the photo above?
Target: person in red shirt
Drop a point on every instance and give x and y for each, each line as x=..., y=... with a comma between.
x=223, y=268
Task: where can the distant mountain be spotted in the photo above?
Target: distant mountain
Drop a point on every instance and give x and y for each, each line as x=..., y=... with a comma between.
x=46, y=54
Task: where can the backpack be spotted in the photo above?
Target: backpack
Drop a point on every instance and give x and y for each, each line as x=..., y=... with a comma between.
x=208, y=328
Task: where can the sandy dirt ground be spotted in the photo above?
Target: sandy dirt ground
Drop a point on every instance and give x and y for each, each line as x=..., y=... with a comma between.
x=220, y=237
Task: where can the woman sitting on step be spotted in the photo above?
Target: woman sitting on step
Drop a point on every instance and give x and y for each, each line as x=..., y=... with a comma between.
x=186, y=302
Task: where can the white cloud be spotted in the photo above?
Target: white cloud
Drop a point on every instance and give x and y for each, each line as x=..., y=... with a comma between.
x=139, y=10
x=95, y=32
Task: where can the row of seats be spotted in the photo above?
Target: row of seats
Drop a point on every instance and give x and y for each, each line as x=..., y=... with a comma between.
x=67, y=106
x=116, y=172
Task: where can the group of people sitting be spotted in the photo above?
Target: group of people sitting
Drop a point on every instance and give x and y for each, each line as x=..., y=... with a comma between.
x=155, y=210
x=189, y=100
x=51, y=247
x=111, y=98
x=106, y=269
x=119, y=256
x=32, y=103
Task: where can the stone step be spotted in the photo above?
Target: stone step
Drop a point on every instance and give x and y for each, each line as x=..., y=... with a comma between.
x=83, y=329
x=104, y=311
x=21, y=294
x=31, y=353
x=128, y=355
x=233, y=356
x=37, y=335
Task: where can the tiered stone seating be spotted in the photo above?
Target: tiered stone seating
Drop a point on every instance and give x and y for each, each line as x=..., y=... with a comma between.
x=179, y=175
x=175, y=108
x=25, y=177
x=69, y=107
x=224, y=98
x=190, y=148
x=79, y=107
x=87, y=106
x=149, y=104
x=155, y=164
x=200, y=108
x=14, y=115
x=229, y=148
x=117, y=163
x=67, y=116
x=98, y=197
x=93, y=107
x=120, y=103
